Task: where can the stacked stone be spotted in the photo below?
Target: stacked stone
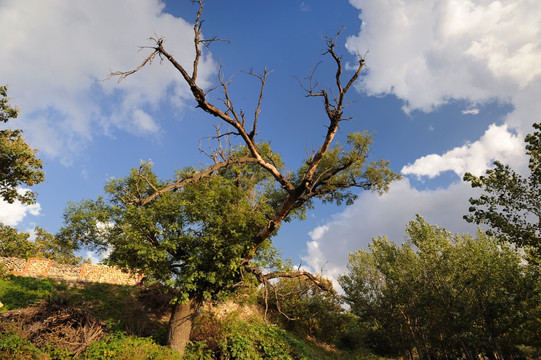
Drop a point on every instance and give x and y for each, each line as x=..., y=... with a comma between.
x=107, y=274
x=64, y=272
x=38, y=267
x=13, y=265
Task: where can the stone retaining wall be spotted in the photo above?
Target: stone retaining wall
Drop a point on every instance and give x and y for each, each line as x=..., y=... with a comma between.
x=47, y=268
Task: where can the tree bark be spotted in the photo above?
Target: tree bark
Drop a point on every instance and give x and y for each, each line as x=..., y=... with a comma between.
x=180, y=324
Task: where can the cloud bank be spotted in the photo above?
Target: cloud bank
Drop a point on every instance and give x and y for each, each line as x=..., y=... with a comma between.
x=427, y=52
x=55, y=53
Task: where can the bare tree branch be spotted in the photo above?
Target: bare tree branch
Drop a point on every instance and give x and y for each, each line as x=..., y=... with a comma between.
x=263, y=80
x=124, y=74
x=320, y=282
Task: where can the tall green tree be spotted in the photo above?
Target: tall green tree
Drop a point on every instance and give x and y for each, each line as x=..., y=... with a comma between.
x=442, y=295
x=50, y=246
x=18, y=162
x=511, y=203
x=14, y=243
x=45, y=245
x=191, y=238
x=330, y=173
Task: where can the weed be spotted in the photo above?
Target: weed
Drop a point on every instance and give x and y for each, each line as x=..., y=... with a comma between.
x=13, y=346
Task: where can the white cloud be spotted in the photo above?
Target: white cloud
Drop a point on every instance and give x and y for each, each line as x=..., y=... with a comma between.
x=429, y=51
x=470, y=111
x=13, y=214
x=144, y=122
x=372, y=216
x=496, y=144
x=55, y=52
x=318, y=232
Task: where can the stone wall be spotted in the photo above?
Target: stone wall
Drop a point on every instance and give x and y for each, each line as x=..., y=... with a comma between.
x=47, y=268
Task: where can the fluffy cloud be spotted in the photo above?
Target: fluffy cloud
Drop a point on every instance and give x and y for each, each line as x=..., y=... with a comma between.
x=497, y=143
x=387, y=215
x=13, y=214
x=427, y=52
x=54, y=53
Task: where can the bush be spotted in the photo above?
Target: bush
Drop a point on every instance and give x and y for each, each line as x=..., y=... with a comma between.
x=233, y=338
x=118, y=346
x=310, y=311
x=13, y=346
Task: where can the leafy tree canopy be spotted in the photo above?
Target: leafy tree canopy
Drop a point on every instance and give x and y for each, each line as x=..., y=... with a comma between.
x=511, y=204
x=15, y=244
x=45, y=245
x=202, y=237
x=443, y=295
x=193, y=238
x=18, y=162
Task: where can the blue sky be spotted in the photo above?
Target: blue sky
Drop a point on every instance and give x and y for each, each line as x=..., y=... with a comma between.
x=450, y=85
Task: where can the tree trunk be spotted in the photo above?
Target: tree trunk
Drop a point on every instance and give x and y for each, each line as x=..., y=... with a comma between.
x=180, y=325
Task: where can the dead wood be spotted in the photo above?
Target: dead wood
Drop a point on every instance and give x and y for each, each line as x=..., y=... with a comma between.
x=57, y=324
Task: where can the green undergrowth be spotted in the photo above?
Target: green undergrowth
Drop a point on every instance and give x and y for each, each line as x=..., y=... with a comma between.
x=136, y=321
x=18, y=292
x=121, y=307
x=114, y=346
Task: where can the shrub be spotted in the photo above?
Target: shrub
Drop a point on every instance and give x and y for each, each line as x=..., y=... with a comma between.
x=13, y=346
x=118, y=346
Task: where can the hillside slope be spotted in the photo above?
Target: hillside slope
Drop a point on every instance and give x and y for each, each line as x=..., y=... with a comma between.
x=46, y=319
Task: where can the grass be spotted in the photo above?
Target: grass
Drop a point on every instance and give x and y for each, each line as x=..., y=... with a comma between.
x=18, y=292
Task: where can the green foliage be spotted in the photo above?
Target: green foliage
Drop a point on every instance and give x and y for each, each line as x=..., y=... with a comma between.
x=344, y=168
x=258, y=341
x=443, y=295
x=15, y=244
x=511, y=202
x=195, y=236
x=17, y=292
x=118, y=346
x=302, y=307
x=231, y=337
x=13, y=346
x=18, y=162
x=234, y=338
x=46, y=245
x=198, y=350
